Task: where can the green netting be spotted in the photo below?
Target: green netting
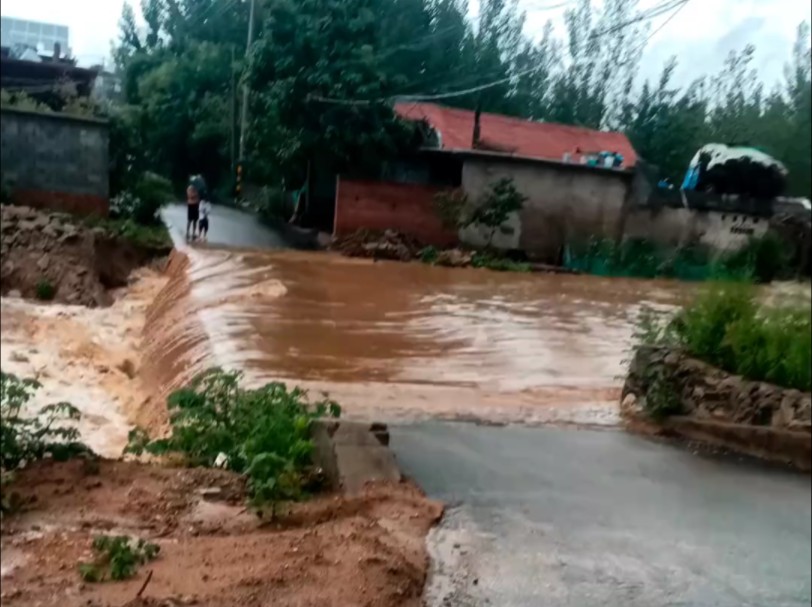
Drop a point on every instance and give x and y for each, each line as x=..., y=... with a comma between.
x=642, y=259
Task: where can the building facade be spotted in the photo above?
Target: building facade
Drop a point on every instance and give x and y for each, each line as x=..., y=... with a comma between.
x=42, y=37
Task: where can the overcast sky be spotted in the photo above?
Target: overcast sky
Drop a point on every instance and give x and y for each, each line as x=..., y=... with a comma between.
x=700, y=36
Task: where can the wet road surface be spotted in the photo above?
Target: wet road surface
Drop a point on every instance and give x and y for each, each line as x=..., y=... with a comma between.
x=227, y=226
x=551, y=517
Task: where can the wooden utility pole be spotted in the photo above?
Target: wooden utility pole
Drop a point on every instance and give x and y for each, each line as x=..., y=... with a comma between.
x=233, y=146
x=244, y=113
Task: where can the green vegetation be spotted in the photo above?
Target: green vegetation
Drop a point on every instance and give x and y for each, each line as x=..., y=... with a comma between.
x=429, y=255
x=45, y=290
x=118, y=558
x=762, y=260
x=497, y=204
x=143, y=199
x=497, y=263
x=262, y=433
x=177, y=69
x=25, y=438
x=727, y=327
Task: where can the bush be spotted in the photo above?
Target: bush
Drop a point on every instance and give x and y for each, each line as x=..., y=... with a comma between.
x=25, y=439
x=273, y=204
x=45, y=290
x=118, y=558
x=762, y=259
x=727, y=328
x=262, y=433
x=143, y=200
x=429, y=255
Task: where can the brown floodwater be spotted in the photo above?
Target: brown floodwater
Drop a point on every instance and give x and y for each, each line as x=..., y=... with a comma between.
x=395, y=341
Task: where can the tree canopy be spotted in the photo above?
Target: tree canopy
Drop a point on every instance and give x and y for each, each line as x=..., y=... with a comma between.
x=322, y=73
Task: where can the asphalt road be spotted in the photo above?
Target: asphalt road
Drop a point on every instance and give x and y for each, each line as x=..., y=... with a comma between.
x=551, y=517
x=227, y=226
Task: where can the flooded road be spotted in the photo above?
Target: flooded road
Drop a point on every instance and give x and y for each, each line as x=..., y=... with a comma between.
x=410, y=341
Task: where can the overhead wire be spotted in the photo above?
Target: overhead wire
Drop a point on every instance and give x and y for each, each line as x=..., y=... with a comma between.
x=656, y=11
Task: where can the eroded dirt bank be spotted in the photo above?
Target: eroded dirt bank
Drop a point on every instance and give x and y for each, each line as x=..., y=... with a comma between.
x=116, y=364
x=53, y=256
x=338, y=551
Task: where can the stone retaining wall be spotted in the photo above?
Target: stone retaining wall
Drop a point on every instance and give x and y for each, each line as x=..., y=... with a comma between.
x=717, y=407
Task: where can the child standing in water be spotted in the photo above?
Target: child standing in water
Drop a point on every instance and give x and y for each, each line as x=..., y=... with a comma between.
x=205, y=210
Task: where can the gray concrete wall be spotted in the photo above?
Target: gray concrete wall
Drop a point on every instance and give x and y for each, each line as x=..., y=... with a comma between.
x=55, y=160
x=564, y=203
x=672, y=227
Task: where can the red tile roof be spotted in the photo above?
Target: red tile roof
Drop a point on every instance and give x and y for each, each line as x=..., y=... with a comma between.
x=543, y=140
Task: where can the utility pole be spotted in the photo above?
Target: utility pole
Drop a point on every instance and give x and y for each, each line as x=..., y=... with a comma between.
x=244, y=113
x=233, y=147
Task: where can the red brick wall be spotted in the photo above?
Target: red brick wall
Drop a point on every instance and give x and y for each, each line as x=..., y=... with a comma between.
x=378, y=205
x=76, y=204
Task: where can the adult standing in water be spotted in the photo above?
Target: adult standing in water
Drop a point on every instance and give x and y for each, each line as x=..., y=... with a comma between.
x=192, y=210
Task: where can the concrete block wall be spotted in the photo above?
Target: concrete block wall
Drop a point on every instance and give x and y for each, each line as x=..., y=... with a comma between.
x=55, y=161
x=378, y=205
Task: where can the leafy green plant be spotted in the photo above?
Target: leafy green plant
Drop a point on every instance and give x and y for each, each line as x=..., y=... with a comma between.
x=273, y=204
x=45, y=290
x=263, y=433
x=25, y=439
x=762, y=259
x=142, y=201
x=496, y=206
x=429, y=255
x=662, y=399
x=118, y=558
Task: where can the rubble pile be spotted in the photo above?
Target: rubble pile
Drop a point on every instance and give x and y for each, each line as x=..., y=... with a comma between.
x=389, y=244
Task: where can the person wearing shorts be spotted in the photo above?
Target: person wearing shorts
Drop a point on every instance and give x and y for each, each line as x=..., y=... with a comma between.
x=192, y=210
x=205, y=211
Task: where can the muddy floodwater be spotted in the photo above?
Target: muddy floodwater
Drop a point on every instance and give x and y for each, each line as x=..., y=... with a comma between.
x=403, y=341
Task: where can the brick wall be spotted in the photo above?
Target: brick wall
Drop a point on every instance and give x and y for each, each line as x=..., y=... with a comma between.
x=375, y=205
x=55, y=161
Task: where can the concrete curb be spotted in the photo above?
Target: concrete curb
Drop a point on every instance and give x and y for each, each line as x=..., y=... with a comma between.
x=761, y=442
x=353, y=454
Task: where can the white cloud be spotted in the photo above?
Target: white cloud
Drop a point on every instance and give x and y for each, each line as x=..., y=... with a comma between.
x=701, y=35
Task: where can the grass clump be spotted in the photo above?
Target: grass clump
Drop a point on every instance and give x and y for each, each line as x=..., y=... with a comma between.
x=727, y=327
x=263, y=433
x=484, y=259
x=150, y=236
x=117, y=558
x=45, y=290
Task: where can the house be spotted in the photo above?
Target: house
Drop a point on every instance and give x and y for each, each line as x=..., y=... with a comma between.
x=40, y=76
x=568, y=196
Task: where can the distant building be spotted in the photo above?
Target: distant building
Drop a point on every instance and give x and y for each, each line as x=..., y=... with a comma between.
x=35, y=59
x=107, y=86
x=41, y=37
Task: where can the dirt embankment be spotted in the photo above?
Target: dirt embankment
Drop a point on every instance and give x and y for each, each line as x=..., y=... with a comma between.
x=52, y=252
x=339, y=551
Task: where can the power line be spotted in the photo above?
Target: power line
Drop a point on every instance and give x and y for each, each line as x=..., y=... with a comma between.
x=654, y=12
